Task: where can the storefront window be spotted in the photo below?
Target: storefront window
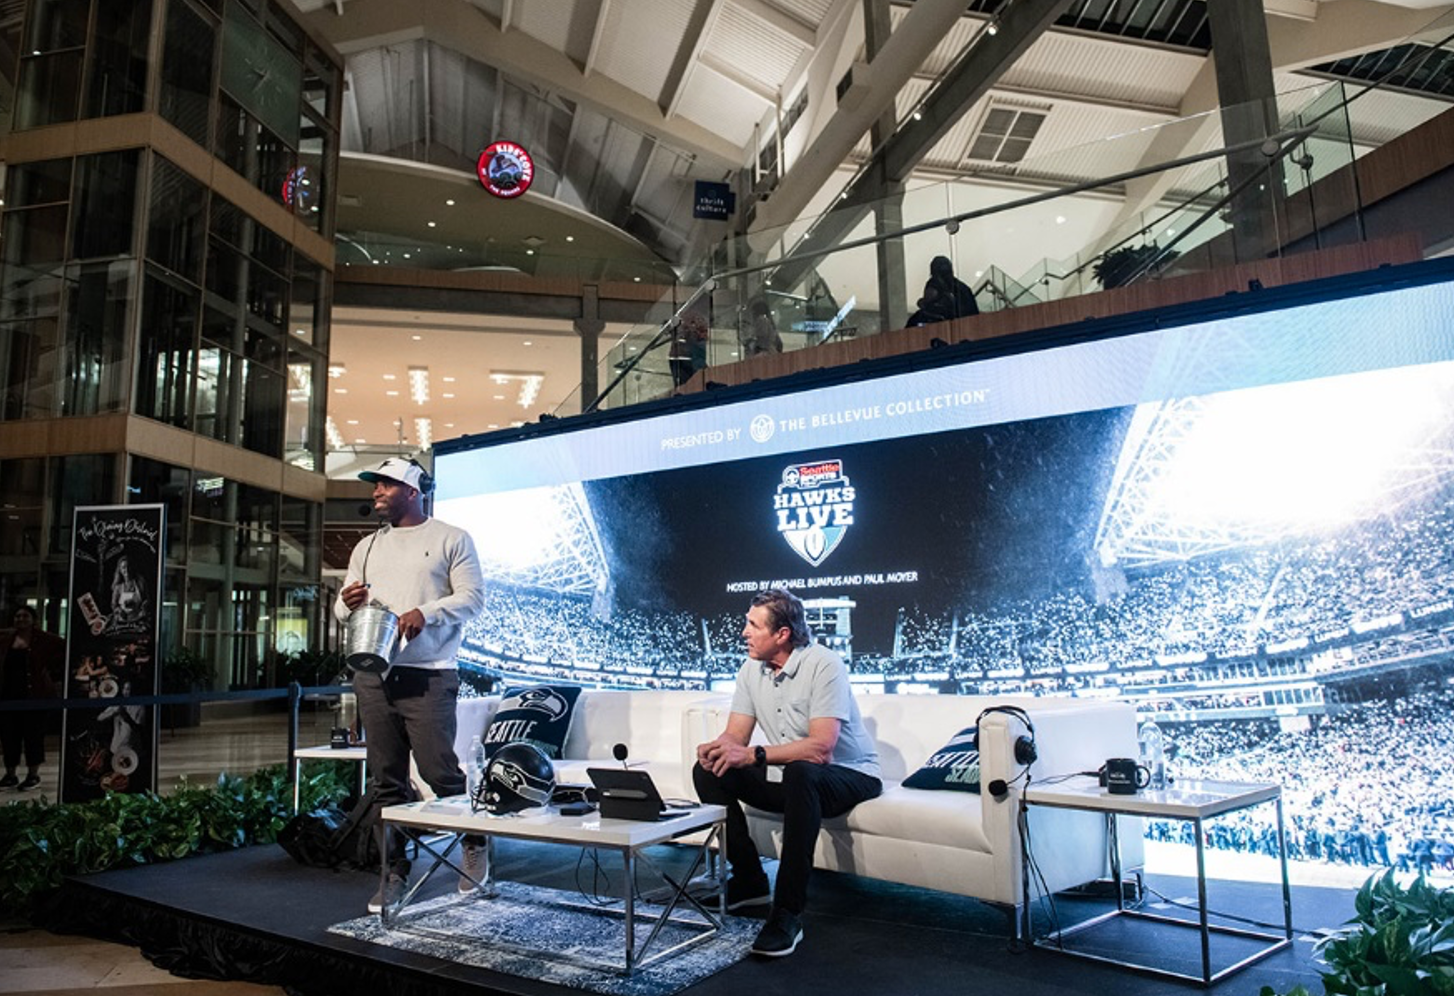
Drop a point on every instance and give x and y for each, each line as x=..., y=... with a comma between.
x=116, y=69
x=166, y=350
x=186, y=78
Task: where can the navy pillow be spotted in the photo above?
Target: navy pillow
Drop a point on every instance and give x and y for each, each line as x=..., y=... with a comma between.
x=954, y=767
x=538, y=715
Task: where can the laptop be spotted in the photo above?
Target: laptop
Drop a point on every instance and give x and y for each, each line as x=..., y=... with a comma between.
x=630, y=795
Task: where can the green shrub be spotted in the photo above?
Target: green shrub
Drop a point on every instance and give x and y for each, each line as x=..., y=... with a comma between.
x=40, y=843
x=1400, y=942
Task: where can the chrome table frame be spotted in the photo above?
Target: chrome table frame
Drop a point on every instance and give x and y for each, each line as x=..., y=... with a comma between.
x=451, y=821
x=1190, y=800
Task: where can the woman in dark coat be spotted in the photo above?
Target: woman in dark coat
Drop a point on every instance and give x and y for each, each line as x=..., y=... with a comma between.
x=33, y=660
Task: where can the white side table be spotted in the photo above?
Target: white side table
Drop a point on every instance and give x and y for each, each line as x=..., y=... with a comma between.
x=358, y=755
x=1193, y=800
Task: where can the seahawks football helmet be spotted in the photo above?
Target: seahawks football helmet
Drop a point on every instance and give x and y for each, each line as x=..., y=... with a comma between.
x=518, y=777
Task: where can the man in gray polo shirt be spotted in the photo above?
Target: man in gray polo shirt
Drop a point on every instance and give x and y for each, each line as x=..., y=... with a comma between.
x=818, y=761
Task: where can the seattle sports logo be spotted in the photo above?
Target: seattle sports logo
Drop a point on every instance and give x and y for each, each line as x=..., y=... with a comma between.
x=814, y=508
x=505, y=169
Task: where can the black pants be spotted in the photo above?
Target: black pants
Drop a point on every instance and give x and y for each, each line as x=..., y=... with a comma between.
x=808, y=793
x=23, y=730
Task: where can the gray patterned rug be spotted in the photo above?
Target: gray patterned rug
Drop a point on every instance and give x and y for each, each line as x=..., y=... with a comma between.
x=495, y=933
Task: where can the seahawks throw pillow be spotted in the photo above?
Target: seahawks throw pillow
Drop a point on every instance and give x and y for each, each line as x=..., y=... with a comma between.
x=540, y=715
x=954, y=767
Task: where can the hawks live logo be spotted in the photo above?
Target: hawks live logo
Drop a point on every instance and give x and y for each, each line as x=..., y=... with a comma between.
x=814, y=507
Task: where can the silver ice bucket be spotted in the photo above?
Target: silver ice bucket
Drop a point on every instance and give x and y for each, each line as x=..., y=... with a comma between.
x=373, y=636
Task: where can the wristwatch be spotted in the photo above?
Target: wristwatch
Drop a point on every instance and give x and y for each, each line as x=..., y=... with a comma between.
x=759, y=756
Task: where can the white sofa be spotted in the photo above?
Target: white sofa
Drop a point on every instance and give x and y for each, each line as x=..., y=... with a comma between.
x=967, y=843
x=956, y=842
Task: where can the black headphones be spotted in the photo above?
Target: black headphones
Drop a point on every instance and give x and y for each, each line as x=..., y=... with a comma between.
x=1025, y=752
x=426, y=480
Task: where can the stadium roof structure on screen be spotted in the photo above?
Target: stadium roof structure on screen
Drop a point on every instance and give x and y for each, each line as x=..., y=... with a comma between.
x=1181, y=489
x=550, y=543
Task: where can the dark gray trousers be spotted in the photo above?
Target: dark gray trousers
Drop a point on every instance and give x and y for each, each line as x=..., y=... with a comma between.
x=413, y=709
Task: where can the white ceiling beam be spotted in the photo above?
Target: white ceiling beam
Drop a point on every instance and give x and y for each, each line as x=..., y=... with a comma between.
x=689, y=52
x=463, y=28
x=916, y=37
x=598, y=34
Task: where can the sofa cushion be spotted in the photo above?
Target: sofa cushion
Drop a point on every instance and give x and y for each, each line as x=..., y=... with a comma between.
x=539, y=715
x=951, y=819
x=954, y=767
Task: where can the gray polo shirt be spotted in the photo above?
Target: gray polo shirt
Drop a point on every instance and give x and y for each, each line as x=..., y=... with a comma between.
x=813, y=684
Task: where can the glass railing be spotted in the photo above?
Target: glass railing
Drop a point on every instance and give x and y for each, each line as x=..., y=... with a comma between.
x=814, y=295
x=1231, y=185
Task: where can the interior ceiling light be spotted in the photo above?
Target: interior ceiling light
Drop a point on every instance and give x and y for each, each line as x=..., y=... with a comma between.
x=424, y=430
x=335, y=438
x=529, y=381
x=419, y=384
x=336, y=370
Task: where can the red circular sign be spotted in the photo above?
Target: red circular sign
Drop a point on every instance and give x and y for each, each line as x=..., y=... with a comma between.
x=505, y=169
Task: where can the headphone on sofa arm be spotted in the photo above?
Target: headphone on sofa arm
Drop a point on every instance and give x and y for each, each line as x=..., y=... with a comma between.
x=1025, y=752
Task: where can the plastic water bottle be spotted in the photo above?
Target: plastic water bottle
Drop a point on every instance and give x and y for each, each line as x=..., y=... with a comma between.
x=474, y=766
x=1153, y=754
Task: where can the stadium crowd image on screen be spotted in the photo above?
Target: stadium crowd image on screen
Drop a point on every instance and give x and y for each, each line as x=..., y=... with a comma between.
x=1242, y=522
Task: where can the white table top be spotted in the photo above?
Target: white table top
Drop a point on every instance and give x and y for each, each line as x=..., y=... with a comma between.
x=1188, y=798
x=330, y=753
x=589, y=830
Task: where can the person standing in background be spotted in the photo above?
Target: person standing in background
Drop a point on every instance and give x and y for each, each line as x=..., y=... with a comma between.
x=764, y=336
x=32, y=669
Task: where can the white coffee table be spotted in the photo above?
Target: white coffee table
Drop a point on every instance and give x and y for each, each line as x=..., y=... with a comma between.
x=1194, y=800
x=630, y=838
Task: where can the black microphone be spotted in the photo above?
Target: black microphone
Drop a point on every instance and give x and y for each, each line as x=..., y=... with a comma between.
x=367, y=508
x=999, y=788
x=619, y=752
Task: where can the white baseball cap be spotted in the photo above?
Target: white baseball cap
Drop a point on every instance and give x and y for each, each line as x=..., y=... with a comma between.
x=396, y=469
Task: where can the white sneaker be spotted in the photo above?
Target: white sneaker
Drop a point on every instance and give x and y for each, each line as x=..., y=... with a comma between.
x=474, y=864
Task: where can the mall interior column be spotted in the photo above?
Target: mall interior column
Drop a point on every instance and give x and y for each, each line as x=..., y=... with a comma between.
x=888, y=214
x=589, y=327
x=1245, y=89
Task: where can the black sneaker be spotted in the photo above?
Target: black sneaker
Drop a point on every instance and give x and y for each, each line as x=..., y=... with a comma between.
x=745, y=892
x=9, y=781
x=31, y=781
x=780, y=935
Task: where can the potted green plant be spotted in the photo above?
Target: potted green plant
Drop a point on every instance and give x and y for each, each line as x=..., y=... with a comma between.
x=1121, y=265
x=184, y=670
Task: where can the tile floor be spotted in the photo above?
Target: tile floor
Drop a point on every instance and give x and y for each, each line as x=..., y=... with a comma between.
x=35, y=961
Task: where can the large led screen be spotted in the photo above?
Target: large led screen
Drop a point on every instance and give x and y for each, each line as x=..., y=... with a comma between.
x=1244, y=524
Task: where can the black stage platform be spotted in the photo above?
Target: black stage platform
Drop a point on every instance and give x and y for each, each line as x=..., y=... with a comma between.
x=256, y=915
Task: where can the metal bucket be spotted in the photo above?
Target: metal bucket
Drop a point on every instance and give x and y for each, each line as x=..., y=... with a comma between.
x=373, y=633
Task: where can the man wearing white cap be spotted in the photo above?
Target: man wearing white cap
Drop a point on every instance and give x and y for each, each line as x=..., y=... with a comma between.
x=427, y=573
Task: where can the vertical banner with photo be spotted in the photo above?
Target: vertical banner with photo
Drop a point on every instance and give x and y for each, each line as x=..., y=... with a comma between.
x=116, y=577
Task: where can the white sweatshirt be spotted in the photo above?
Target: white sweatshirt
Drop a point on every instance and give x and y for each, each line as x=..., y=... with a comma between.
x=431, y=567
